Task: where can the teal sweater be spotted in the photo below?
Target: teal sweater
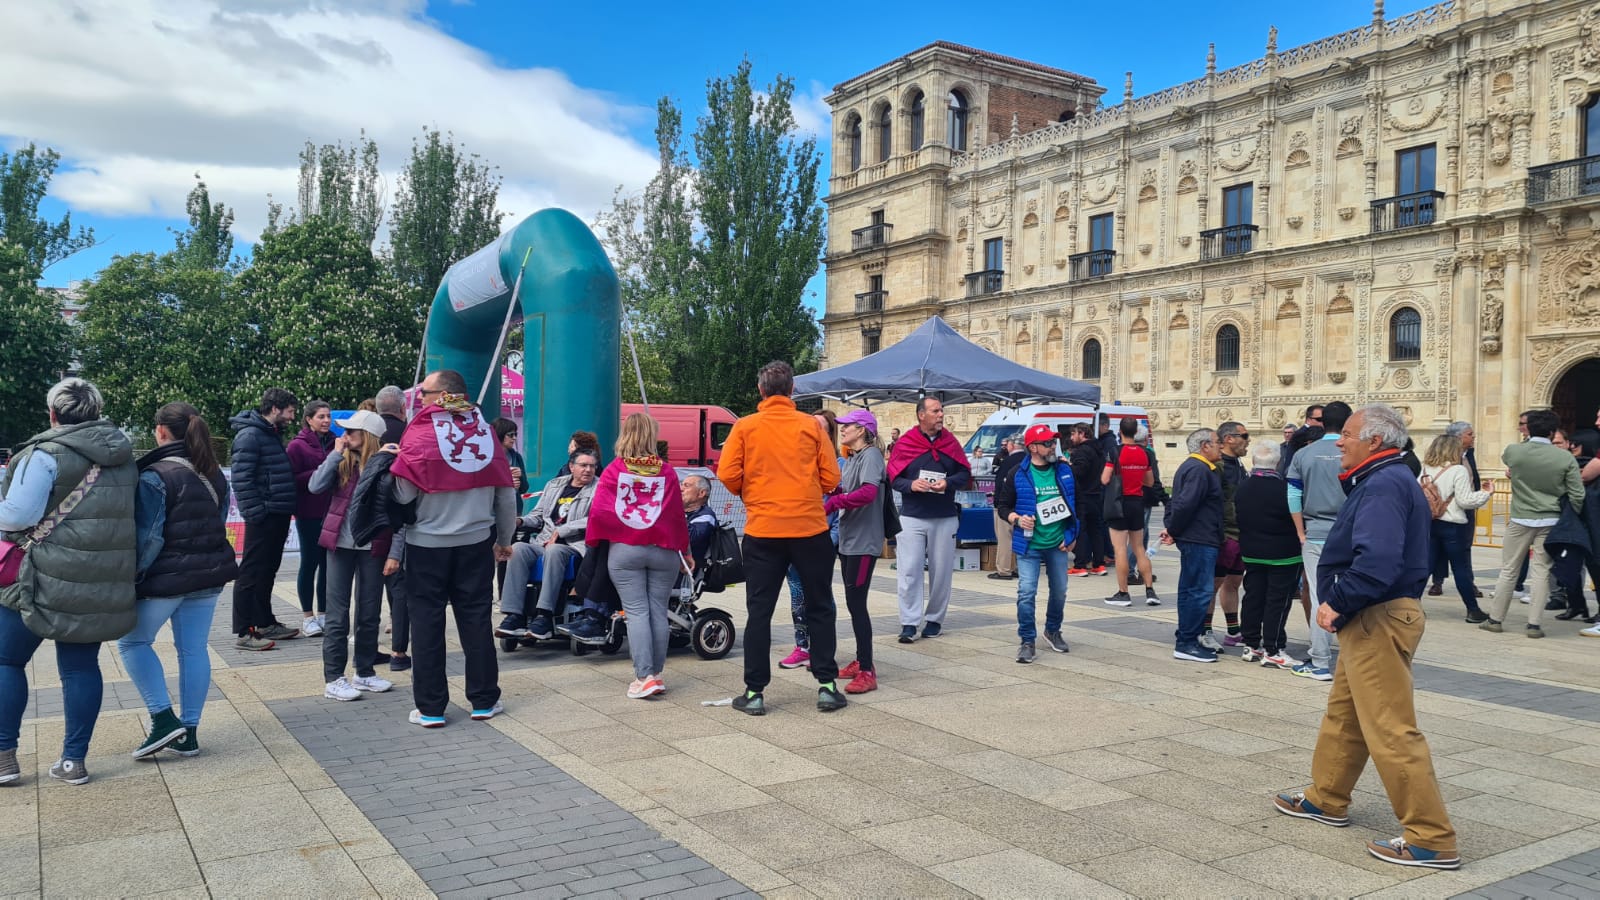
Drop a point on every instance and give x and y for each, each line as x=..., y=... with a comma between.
x=1540, y=474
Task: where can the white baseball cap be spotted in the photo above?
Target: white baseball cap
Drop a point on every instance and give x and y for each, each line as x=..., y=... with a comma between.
x=364, y=420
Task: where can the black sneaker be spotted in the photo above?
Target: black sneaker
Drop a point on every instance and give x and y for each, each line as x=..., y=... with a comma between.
x=398, y=663
x=278, y=631
x=830, y=698
x=1056, y=642
x=188, y=745
x=541, y=626
x=381, y=658
x=1025, y=652
x=908, y=634
x=1120, y=598
x=512, y=626
x=752, y=704
x=932, y=629
x=588, y=627
x=1150, y=598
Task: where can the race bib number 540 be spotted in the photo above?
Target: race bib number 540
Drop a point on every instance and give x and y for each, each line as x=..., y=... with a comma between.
x=1053, y=511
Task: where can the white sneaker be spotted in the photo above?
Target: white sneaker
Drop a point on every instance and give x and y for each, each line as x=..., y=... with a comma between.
x=1591, y=632
x=372, y=683
x=1521, y=596
x=1209, y=642
x=312, y=626
x=341, y=689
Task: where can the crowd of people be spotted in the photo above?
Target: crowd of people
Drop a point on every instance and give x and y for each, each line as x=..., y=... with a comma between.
x=1343, y=513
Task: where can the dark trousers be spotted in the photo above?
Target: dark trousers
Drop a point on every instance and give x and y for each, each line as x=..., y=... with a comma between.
x=252, y=590
x=1567, y=567
x=766, y=566
x=1094, y=540
x=399, y=611
x=857, y=572
x=461, y=578
x=1267, y=592
x=1451, y=544
x=312, y=583
x=355, y=604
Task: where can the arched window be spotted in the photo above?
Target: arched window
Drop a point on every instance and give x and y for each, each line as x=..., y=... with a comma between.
x=957, y=136
x=918, y=114
x=1405, y=335
x=852, y=138
x=1227, y=349
x=885, y=126
x=1091, y=359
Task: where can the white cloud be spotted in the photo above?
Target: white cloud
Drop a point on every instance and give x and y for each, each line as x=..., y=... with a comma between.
x=811, y=113
x=139, y=95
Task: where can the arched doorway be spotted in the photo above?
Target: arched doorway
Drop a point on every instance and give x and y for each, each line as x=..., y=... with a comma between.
x=1576, y=396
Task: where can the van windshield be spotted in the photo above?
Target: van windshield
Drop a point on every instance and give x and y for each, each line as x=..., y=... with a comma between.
x=989, y=436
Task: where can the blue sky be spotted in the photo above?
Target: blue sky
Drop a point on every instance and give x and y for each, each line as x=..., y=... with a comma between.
x=140, y=95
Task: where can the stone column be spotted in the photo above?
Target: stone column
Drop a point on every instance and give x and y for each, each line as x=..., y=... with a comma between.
x=1467, y=349
x=1514, y=358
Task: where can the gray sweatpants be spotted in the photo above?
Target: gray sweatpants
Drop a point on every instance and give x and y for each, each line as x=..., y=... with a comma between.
x=933, y=541
x=514, y=599
x=1321, y=638
x=643, y=577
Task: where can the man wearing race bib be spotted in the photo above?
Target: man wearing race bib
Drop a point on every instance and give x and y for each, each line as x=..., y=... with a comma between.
x=1038, y=501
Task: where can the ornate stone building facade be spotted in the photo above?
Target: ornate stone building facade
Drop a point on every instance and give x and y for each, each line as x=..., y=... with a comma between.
x=1407, y=212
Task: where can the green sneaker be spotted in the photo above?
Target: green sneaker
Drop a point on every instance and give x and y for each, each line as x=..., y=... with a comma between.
x=164, y=729
x=188, y=745
x=750, y=703
x=830, y=699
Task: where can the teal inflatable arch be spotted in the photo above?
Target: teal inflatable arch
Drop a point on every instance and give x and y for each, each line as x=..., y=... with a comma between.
x=570, y=308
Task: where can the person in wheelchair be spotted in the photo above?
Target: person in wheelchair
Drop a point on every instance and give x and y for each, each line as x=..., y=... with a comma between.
x=558, y=523
x=696, y=492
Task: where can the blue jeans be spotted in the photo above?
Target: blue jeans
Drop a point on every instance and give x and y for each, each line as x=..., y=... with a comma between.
x=1055, y=564
x=190, y=616
x=1196, y=570
x=81, y=686
x=1450, y=543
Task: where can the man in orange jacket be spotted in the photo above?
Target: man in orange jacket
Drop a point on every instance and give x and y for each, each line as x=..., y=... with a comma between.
x=781, y=463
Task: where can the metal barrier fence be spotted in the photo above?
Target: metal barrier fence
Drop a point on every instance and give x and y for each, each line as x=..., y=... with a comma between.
x=1493, y=516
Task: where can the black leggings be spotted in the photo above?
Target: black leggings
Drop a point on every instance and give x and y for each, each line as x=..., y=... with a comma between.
x=857, y=572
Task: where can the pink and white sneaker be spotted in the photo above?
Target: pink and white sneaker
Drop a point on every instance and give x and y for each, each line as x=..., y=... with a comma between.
x=796, y=659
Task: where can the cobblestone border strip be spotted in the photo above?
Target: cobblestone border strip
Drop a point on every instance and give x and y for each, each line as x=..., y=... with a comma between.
x=477, y=814
x=1575, y=876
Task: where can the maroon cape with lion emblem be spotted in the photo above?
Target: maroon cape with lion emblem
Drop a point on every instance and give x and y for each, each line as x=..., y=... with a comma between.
x=451, y=448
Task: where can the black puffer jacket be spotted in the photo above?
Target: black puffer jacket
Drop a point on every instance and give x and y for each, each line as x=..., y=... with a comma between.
x=263, y=480
x=373, y=509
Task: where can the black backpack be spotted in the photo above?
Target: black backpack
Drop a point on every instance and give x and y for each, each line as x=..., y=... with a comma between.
x=724, y=561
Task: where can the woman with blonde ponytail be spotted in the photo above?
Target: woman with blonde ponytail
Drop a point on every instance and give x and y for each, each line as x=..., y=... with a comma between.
x=185, y=558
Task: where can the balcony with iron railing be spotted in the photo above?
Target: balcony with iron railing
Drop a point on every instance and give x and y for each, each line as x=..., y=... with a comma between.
x=989, y=281
x=1405, y=211
x=871, y=301
x=1094, y=264
x=1229, y=240
x=1564, y=180
x=871, y=236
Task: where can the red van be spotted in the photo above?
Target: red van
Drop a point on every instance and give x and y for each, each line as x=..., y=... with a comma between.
x=694, y=435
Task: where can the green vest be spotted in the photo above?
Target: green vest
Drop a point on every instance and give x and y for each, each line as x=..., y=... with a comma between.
x=77, y=585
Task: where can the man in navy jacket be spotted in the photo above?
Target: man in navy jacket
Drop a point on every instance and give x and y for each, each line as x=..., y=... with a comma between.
x=1037, y=499
x=263, y=485
x=1194, y=523
x=1372, y=572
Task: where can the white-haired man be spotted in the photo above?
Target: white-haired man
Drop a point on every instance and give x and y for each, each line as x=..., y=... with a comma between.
x=1371, y=573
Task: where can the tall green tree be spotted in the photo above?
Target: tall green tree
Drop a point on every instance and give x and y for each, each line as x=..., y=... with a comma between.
x=715, y=257
x=324, y=318
x=24, y=180
x=35, y=345
x=444, y=209
x=208, y=242
x=156, y=329
x=338, y=183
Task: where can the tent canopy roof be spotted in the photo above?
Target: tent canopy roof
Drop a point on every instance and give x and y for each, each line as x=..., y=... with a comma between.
x=936, y=361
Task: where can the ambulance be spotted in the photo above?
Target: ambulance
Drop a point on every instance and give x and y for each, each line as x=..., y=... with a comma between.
x=1059, y=416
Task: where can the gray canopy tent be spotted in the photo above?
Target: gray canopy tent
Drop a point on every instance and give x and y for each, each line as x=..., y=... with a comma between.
x=936, y=361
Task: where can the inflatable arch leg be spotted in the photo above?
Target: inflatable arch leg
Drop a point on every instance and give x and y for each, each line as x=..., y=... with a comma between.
x=571, y=313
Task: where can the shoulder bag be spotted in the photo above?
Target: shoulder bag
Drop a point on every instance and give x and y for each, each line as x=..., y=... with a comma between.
x=12, y=552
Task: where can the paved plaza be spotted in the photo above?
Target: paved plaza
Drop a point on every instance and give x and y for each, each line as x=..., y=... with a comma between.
x=1113, y=770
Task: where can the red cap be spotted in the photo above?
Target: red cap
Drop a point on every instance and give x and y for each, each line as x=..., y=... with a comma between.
x=1039, y=434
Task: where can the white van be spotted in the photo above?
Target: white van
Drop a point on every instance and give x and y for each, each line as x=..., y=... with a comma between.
x=1059, y=416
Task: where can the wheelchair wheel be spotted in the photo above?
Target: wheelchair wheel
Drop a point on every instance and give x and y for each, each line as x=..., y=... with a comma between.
x=713, y=634
x=510, y=645
x=579, y=648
